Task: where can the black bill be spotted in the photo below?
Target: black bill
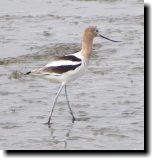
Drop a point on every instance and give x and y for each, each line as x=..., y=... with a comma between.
x=108, y=38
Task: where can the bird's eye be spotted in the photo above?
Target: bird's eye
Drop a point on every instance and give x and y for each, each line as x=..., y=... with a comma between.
x=97, y=30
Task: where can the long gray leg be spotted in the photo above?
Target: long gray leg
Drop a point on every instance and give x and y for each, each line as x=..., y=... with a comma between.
x=73, y=118
x=55, y=100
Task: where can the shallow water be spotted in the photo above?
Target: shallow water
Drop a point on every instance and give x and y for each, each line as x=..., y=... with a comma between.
x=108, y=101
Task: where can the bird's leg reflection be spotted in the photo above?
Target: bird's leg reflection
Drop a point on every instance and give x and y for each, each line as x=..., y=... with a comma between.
x=58, y=137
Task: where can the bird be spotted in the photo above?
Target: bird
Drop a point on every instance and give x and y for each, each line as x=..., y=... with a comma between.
x=67, y=68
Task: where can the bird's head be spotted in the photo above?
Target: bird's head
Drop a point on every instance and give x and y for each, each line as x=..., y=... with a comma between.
x=92, y=31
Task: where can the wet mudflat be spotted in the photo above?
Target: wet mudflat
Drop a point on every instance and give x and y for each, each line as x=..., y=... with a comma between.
x=108, y=101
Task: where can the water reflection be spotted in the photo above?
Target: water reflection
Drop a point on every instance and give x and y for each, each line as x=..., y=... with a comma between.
x=61, y=135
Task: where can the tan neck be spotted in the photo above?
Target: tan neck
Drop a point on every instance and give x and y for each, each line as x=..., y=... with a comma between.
x=87, y=46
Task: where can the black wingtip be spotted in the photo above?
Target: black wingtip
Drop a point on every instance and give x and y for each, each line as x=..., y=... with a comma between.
x=28, y=73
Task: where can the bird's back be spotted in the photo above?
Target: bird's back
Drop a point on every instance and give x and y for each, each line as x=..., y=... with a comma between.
x=62, y=69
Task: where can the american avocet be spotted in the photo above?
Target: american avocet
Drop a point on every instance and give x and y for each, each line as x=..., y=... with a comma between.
x=69, y=67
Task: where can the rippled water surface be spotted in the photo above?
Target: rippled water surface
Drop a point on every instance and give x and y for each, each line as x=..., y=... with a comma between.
x=108, y=101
